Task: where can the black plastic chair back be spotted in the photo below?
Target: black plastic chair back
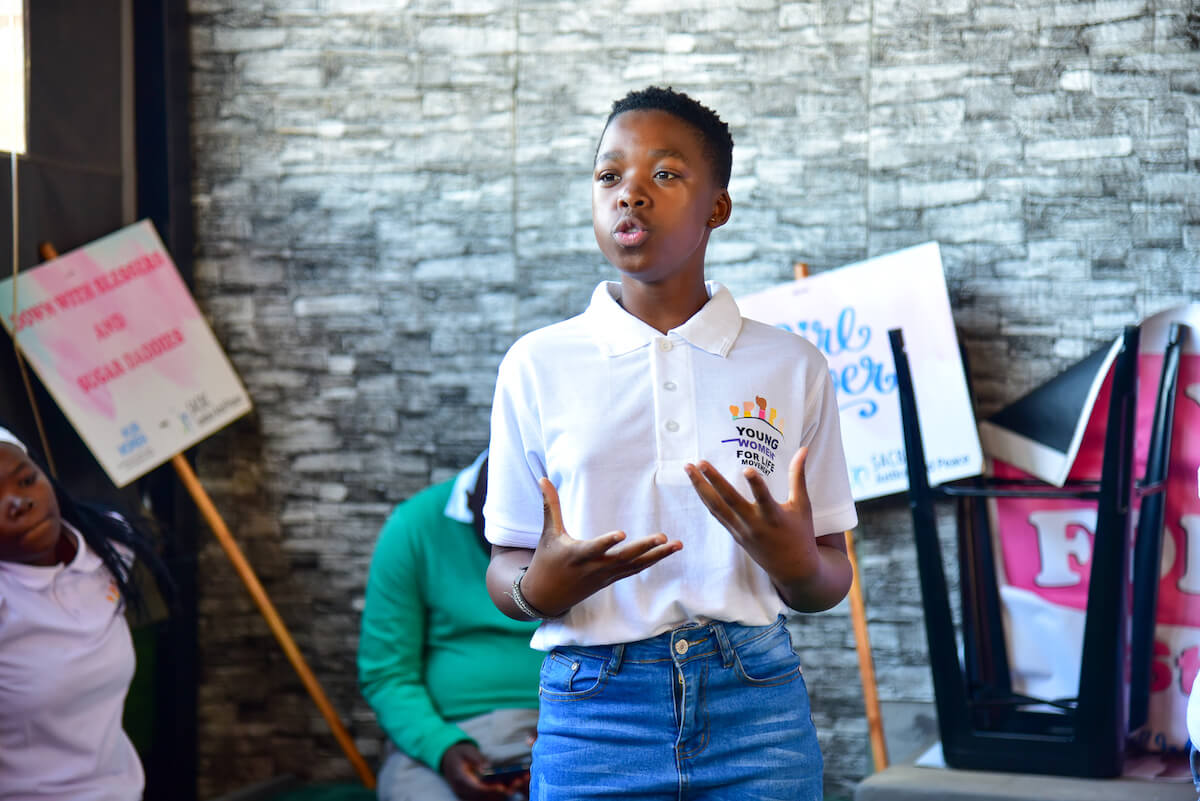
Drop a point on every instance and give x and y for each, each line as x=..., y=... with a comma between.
x=983, y=724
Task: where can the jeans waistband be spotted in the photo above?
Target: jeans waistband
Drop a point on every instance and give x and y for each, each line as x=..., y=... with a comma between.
x=679, y=645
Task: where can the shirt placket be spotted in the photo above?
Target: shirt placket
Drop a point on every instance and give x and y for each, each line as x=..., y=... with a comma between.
x=674, y=407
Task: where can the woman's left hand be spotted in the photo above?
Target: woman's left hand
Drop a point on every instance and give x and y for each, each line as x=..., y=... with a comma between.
x=810, y=575
x=778, y=536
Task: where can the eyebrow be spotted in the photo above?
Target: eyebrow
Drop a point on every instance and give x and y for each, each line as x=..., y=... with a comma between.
x=658, y=154
x=21, y=465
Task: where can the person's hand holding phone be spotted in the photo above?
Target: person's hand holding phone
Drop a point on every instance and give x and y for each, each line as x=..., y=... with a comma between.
x=513, y=776
x=463, y=767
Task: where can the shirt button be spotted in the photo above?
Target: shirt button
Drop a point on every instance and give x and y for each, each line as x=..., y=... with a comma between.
x=672, y=426
x=681, y=647
x=665, y=345
x=669, y=386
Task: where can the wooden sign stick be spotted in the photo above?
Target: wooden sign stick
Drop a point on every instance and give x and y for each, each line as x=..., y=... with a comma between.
x=862, y=641
x=246, y=573
x=262, y=600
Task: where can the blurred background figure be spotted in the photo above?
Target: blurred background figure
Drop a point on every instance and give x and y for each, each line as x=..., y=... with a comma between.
x=452, y=681
x=66, y=654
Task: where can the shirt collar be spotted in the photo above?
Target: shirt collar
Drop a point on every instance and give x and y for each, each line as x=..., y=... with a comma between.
x=464, y=484
x=36, y=577
x=714, y=328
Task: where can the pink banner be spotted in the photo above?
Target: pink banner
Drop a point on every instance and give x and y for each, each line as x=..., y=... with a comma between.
x=1046, y=548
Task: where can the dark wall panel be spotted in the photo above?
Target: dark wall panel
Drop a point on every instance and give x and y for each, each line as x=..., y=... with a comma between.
x=69, y=181
x=75, y=83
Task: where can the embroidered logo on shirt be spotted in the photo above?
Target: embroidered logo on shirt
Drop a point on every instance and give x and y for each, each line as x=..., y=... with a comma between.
x=759, y=433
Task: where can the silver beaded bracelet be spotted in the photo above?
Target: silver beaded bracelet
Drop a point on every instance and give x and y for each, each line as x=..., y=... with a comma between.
x=519, y=599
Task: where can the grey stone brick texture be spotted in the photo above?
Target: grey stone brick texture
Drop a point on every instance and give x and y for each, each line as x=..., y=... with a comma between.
x=388, y=192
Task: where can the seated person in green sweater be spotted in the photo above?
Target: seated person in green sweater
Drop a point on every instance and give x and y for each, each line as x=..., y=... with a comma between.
x=452, y=680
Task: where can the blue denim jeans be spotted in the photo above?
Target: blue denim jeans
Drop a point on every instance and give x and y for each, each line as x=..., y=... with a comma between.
x=717, y=712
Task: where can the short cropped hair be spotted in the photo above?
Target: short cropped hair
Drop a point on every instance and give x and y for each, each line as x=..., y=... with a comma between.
x=714, y=132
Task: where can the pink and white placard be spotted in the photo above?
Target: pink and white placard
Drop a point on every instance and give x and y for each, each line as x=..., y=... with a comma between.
x=116, y=337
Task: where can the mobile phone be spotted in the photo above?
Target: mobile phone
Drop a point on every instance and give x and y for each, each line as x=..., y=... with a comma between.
x=506, y=771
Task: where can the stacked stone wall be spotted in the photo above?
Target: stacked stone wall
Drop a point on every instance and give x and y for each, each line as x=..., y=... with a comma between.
x=388, y=193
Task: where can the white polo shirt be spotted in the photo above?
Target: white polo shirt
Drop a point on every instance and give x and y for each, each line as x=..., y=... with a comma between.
x=611, y=410
x=66, y=660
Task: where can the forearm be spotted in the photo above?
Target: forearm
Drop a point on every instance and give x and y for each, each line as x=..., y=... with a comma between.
x=503, y=568
x=391, y=668
x=563, y=571
x=825, y=585
x=408, y=716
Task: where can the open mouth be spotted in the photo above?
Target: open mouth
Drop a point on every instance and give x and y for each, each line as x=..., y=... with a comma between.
x=630, y=233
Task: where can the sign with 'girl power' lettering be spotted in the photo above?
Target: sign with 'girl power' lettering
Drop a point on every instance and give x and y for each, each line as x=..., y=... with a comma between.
x=847, y=313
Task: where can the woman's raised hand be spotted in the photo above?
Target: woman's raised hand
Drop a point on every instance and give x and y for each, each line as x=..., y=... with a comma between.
x=566, y=570
x=779, y=536
x=812, y=574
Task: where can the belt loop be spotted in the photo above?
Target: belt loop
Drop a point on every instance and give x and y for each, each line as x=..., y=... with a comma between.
x=718, y=630
x=614, y=661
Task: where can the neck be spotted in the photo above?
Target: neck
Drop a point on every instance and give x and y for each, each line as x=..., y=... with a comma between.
x=663, y=305
x=66, y=547
x=60, y=553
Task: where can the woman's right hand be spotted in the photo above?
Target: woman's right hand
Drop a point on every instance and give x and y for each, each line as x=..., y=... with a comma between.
x=565, y=570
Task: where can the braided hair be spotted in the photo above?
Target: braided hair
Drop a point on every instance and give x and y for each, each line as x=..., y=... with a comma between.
x=110, y=535
x=106, y=530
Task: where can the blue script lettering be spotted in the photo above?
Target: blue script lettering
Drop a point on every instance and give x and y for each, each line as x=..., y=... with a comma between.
x=866, y=375
x=855, y=381
x=846, y=336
